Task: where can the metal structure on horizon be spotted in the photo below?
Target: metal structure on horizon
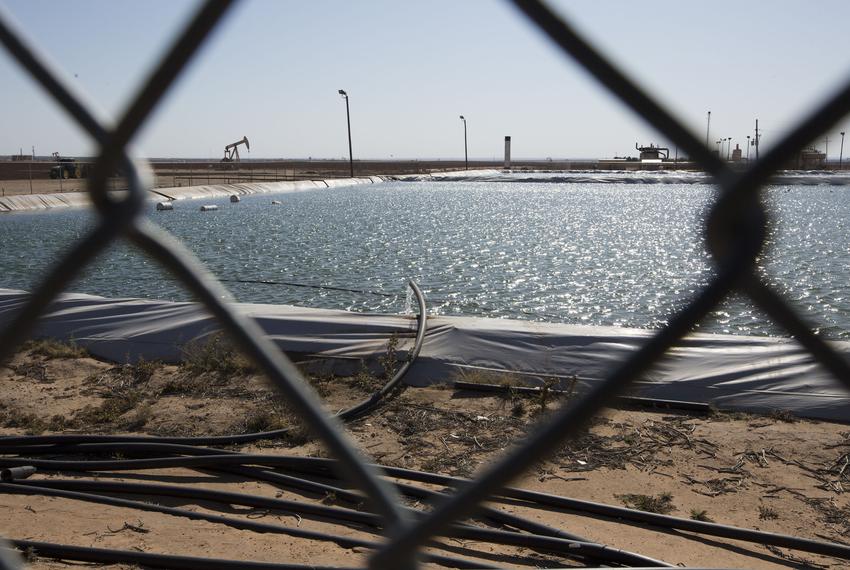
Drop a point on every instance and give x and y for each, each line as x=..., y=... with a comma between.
x=231, y=151
x=736, y=230
x=348, y=121
x=465, y=151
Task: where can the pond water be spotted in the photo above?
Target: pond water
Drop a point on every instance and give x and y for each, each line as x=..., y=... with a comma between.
x=579, y=251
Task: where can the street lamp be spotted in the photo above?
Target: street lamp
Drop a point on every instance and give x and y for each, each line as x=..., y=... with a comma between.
x=465, y=151
x=348, y=120
x=728, y=149
x=748, y=149
x=841, y=153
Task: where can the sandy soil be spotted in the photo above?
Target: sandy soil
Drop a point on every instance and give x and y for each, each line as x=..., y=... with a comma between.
x=770, y=473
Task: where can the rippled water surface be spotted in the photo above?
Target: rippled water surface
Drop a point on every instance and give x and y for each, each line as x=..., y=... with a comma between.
x=588, y=253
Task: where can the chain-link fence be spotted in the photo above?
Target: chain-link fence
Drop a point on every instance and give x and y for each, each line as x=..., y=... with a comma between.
x=736, y=230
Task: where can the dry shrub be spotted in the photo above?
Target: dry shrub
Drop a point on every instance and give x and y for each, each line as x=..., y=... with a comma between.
x=50, y=348
x=661, y=504
x=216, y=356
x=111, y=409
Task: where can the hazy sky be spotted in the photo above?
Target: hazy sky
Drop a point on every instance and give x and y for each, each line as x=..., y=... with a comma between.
x=273, y=68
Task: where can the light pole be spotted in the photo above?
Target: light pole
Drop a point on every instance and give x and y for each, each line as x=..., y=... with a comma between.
x=719, y=155
x=728, y=149
x=465, y=151
x=348, y=120
x=748, y=149
x=841, y=152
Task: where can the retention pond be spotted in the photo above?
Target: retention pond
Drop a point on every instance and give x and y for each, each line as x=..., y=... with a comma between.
x=579, y=249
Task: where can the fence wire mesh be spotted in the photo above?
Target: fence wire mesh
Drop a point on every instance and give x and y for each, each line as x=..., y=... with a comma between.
x=735, y=232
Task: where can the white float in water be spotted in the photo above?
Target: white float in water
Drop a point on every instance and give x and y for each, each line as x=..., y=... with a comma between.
x=234, y=198
x=209, y=208
x=164, y=206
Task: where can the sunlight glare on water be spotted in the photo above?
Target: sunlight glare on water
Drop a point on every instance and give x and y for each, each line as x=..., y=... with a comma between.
x=584, y=253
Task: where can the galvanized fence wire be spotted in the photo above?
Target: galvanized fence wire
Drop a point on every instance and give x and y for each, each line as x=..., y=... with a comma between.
x=735, y=233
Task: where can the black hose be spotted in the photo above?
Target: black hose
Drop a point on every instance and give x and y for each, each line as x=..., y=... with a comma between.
x=625, y=400
x=375, y=399
x=569, y=548
x=640, y=517
x=317, y=511
x=307, y=509
x=633, y=516
x=242, y=524
x=494, y=515
x=325, y=465
x=149, y=559
x=17, y=473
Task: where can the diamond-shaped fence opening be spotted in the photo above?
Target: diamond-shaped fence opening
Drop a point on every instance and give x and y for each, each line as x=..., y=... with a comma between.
x=735, y=233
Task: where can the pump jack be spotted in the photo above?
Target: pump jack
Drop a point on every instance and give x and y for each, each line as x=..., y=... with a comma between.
x=231, y=151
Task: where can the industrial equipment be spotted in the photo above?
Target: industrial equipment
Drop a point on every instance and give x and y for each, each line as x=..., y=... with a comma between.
x=231, y=151
x=68, y=168
x=653, y=153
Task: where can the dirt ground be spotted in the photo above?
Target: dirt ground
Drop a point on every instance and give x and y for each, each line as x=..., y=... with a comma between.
x=774, y=473
x=26, y=187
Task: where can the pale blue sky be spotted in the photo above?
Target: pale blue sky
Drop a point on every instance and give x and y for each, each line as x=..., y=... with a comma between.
x=273, y=69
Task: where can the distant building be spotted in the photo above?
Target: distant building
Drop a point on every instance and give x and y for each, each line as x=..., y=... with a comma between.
x=652, y=153
x=809, y=159
x=736, y=154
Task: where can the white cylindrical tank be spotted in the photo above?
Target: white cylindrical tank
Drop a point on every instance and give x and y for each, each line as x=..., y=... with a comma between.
x=209, y=208
x=164, y=206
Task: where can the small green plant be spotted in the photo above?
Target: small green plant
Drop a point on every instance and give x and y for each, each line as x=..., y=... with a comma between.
x=215, y=356
x=700, y=515
x=661, y=504
x=545, y=395
x=365, y=380
x=767, y=513
x=50, y=348
x=389, y=361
